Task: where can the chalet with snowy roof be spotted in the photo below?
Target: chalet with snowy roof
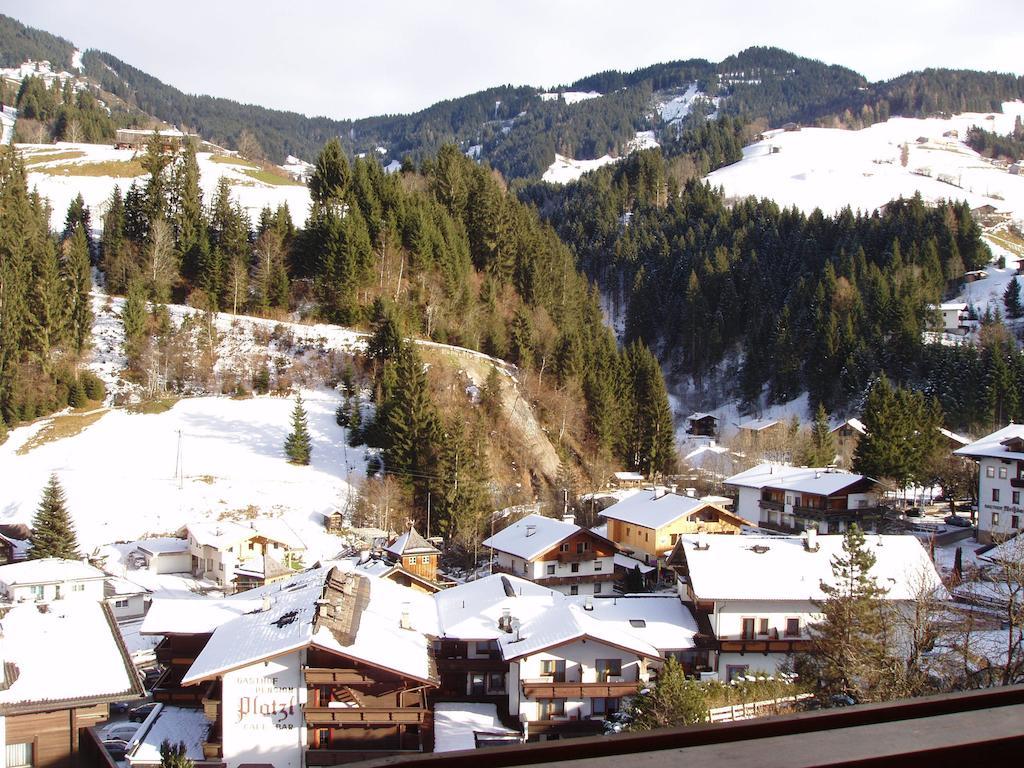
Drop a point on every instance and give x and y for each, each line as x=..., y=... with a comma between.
x=127, y=600
x=61, y=665
x=327, y=667
x=1000, y=458
x=792, y=499
x=555, y=553
x=50, y=578
x=415, y=555
x=166, y=554
x=12, y=549
x=552, y=664
x=171, y=139
x=628, y=479
x=238, y=556
x=647, y=524
x=702, y=425
x=759, y=426
x=954, y=317
x=334, y=520
x=754, y=596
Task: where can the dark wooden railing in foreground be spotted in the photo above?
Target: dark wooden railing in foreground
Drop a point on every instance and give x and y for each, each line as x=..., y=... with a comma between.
x=956, y=730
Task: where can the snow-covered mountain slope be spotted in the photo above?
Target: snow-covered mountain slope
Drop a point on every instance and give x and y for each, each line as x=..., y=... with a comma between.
x=123, y=480
x=61, y=171
x=565, y=170
x=832, y=168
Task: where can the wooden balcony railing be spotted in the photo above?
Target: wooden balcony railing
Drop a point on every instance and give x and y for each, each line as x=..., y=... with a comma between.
x=365, y=715
x=577, y=557
x=543, y=689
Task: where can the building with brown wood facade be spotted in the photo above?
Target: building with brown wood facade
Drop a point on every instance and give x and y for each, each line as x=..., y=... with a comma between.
x=49, y=695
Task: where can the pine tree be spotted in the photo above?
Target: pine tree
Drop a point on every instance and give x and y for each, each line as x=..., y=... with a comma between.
x=53, y=533
x=133, y=317
x=1012, y=299
x=672, y=701
x=174, y=755
x=821, y=447
x=77, y=278
x=298, y=446
x=848, y=646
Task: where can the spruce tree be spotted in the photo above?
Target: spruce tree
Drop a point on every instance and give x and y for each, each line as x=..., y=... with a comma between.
x=1012, y=299
x=174, y=755
x=672, y=701
x=77, y=277
x=821, y=446
x=53, y=533
x=298, y=446
x=848, y=646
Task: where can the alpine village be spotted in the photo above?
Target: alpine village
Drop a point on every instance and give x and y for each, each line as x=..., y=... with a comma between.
x=689, y=397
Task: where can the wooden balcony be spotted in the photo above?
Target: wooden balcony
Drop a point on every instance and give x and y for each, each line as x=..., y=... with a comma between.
x=177, y=651
x=764, y=645
x=577, y=557
x=327, y=676
x=365, y=715
x=544, y=689
x=1017, y=482
x=472, y=665
x=775, y=506
x=576, y=578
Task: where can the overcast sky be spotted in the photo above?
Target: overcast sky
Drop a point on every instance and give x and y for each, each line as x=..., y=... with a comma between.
x=354, y=59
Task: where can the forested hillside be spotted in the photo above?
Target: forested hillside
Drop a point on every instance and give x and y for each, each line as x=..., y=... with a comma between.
x=19, y=43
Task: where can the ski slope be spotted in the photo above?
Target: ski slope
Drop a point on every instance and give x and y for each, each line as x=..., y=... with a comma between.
x=831, y=168
x=251, y=193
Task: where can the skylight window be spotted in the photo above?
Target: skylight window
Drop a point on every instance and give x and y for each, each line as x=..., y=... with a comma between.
x=638, y=623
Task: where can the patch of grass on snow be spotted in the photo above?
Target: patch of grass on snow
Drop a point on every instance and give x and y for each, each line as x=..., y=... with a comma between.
x=118, y=169
x=229, y=160
x=67, y=425
x=161, y=405
x=274, y=179
x=50, y=157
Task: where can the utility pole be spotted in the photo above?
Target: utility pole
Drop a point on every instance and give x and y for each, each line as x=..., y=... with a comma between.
x=428, y=513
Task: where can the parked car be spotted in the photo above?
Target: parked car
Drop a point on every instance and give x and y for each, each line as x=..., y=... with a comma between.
x=118, y=707
x=125, y=731
x=957, y=521
x=841, y=700
x=116, y=748
x=141, y=712
x=914, y=512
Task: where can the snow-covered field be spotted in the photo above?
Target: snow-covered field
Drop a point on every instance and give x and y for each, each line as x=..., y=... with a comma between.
x=570, y=97
x=123, y=480
x=831, y=168
x=565, y=170
x=987, y=293
x=251, y=193
x=678, y=107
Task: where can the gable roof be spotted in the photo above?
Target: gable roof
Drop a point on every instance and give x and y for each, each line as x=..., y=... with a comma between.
x=162, y=545
x=855, y=424
x=221, y=534
x=411, y=543
x=48, y=570
x=781, y=568
x=533, y=535
x=41, y=674
x=660, y=620
x=756, y=425
x=650, y=510
x=821, y=481
x=563, y=623
x=994, y=445
x=332, y=608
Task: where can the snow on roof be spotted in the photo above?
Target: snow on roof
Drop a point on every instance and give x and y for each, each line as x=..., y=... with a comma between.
x=756, y=425
x=163, y=545
x=115, y=585
x=650, y=510
x=261, y=567
x=629, y=476
x=47, y=648
x=954, y=436
x=855, y=424
x=531, y=536
x=411, y=543
x=625, y=561
x=194, y=615
x=821, y=481
x=991, y=446
x=565, y=622
x=781, y=567
x=1009, y=551
x=48, y=570
x=456, y=725
x=471, y=611
x=661, y=620
x=952, y=306
x=302, y=611
x=175, y=724
x=221, y=534
x=701, y=415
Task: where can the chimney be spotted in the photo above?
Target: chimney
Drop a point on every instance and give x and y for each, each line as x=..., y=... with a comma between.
x=569, y=518
x=266, y=603
x=530, y=530
x=691, y=492
x=588, y=604
x=811, y=542
x=505, y=622
x=658, y=492
x=364, y=556
x=702, y=540
x=405, y=622
x=817, y=474
x=675, y=488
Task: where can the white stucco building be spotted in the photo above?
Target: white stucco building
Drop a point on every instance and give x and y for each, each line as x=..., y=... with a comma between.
x=1000, y=458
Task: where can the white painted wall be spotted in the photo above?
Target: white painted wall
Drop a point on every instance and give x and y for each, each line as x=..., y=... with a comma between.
x=538, y=571
x=262, y=710
x=729, y=615
x=135, y=606
x=88, y=589
x=995, y=518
